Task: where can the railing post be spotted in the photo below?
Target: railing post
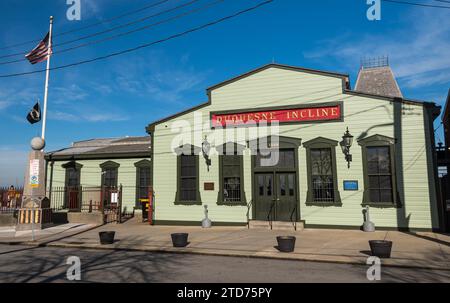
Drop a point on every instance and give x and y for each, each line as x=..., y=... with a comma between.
x=120, y=204
x=80, y=197
x=150, y=205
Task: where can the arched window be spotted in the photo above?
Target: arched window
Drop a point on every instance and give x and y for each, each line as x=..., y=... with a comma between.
x=73, y=174
x=322, y=172
x=143, y=180
x=110, y=176
x=188, y=190
x=72, y=193
x=379, y=171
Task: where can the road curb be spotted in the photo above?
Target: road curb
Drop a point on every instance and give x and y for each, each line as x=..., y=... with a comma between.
x=305, y=258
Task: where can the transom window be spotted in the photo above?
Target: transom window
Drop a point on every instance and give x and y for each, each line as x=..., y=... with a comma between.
x=379, y=174
x=322, y=175
x=286, y=158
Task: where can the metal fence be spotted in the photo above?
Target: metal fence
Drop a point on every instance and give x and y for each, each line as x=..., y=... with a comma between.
x=10, y=199
x=105, y=200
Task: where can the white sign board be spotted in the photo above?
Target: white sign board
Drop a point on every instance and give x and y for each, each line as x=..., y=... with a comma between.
x=34, y=173
x=114, y=197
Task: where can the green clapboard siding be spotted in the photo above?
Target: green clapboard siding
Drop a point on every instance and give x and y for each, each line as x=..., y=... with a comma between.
x=90, y=176
x=364, y=116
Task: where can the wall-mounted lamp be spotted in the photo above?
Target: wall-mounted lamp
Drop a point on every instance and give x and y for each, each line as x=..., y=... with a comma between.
x=347, y=141
x=206, y=148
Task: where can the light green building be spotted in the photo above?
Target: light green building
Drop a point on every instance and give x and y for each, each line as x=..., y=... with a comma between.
x=88, y=172
x=390, y=165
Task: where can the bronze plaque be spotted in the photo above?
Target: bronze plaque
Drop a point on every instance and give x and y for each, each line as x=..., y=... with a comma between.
x=208, y=186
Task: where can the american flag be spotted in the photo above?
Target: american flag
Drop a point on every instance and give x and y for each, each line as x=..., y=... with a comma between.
x=39, y=53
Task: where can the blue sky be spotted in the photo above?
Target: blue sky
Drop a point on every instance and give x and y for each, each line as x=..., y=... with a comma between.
x=121, y=95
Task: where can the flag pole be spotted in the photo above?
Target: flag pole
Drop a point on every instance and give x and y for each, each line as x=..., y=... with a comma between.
x=47, y=74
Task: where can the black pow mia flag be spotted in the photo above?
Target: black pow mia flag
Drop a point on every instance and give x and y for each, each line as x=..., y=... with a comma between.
x=34, y=116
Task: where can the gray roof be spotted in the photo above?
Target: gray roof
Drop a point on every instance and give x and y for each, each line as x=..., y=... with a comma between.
x=378, y=81
x=105, y=148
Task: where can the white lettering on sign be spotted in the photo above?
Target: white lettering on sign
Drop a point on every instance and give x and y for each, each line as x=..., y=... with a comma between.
x=34, y=173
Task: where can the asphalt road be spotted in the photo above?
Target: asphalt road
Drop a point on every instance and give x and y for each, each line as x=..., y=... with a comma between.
x=47, y=264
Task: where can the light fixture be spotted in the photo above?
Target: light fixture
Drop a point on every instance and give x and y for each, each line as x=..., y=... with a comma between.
x=347, y=141
x=206, y=148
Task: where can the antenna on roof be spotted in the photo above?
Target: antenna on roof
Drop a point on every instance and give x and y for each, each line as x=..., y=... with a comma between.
x=374, y=62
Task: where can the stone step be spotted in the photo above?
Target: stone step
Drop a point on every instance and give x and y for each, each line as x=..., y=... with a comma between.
x=276, y=225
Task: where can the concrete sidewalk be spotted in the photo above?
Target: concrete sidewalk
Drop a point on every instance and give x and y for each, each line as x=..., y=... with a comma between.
x=415, y=250
x=9, y=235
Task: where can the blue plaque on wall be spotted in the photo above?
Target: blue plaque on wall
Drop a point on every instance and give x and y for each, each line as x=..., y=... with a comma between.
x=350, y=185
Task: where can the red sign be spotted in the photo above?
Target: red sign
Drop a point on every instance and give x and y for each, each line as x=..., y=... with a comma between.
x=304, y=114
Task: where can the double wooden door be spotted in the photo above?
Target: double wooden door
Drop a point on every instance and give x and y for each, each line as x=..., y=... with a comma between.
x=275, y=196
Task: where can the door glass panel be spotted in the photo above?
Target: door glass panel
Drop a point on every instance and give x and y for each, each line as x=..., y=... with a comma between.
x=261, y=185
x=269, y=185
x=282, y=179
x=291, y=185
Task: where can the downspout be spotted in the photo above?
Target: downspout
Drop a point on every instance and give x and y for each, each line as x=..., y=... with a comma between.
x=433, y=112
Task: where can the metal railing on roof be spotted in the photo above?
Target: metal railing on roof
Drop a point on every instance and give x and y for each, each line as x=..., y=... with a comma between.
x=375, y=62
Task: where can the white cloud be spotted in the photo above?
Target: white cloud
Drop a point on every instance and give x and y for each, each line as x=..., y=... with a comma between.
x=171, y=85
x=418, y=50
x=157, y=78
x=90, y=8
x=102, y=89
x=4, y=104
x=426, y=79
x=86, y=116
x=68, y=94
x=105, y=117
x=14, y=96
x=62, y=116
